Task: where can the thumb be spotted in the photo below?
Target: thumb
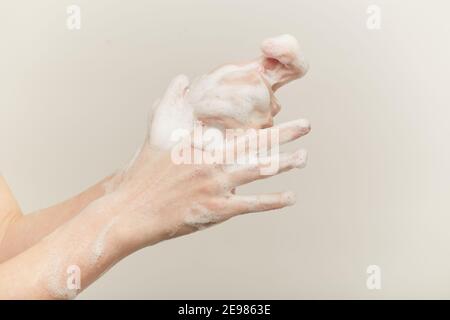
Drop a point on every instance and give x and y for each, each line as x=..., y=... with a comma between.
x=176, y=90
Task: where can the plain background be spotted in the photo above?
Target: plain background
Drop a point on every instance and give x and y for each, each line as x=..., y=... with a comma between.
x=73, y=108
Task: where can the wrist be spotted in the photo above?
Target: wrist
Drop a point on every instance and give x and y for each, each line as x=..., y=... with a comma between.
x=121, y=228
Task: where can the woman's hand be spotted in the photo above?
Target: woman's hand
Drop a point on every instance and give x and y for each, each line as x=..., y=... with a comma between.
x=157, y=199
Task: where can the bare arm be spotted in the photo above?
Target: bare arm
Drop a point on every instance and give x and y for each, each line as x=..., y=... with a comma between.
x=19, y=232
x=41, y=271
x=9, y=209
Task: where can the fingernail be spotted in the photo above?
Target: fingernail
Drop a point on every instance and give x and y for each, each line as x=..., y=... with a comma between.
x=289, y=198
x=305, y=125
x=300, y=158
x=301, y=126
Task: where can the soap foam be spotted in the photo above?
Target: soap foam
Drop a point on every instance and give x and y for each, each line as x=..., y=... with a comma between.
x=100, y=244
x=232, y=96
x=57, y=281
x=200, y=217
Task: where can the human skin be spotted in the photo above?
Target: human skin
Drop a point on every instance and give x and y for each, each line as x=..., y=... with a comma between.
x=151, y=200
x=23, y=231
x=9, y=209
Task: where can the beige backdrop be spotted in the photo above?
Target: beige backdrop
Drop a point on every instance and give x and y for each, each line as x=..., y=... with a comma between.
x=73, y=106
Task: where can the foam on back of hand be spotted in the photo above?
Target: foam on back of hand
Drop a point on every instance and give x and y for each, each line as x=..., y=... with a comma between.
x=232, y=96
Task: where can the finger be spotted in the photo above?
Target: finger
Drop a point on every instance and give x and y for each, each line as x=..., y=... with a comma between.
x=291, y=130
x=265, y=139
x=170, y=116
x=257, y=203
x=267, y=167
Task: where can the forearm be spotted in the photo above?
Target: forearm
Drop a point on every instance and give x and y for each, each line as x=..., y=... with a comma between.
x=91, y=242
x=23, y=231
x=9, y=210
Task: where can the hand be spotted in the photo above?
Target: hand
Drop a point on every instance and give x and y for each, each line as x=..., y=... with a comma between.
x=185, y=198
x=232, y=96
x=157, y=199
